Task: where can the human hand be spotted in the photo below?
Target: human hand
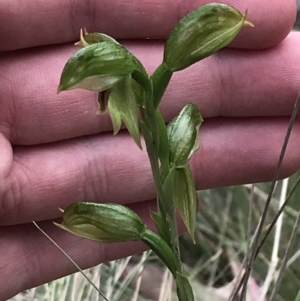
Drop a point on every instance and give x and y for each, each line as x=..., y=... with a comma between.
x=54, y=149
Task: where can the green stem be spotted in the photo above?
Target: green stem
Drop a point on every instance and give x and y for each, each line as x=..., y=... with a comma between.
x=165, y=200
x=160, y=80
x=155, y=135
x=164, y=148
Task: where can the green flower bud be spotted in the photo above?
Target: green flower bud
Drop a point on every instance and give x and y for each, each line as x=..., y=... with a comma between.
x=202, y=33
x=98, y=67
x=111, y=223
x=105, y=223
x=183, y=134
x=104, y=66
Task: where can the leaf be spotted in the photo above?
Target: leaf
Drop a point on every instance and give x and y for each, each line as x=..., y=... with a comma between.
x=298, y=296
x=161, y=225
x=115, y=116
x=161, y=248
x=183, y=134
x=98, y=67
x=184, y=289
x=202, y=33
x=102, y=222
x=168, y=190
x=122, y=105
x=185, y=198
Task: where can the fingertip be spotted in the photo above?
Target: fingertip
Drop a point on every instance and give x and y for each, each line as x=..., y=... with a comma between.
x=272, y=24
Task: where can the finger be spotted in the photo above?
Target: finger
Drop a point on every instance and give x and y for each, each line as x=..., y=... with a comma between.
x=231, y=83
x=28, y=259
x=55, y=23
x=112, y=169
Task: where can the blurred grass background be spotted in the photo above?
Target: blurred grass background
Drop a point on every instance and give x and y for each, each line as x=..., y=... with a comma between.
x=221, y=241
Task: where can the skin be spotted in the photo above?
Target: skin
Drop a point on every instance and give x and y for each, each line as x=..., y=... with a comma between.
x=55, y=150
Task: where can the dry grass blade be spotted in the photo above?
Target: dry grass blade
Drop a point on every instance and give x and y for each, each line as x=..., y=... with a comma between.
x=270, y=228
x=71, y=260
x=222, y=238
x=285, y=258
x=277, y=238
x=255, y=244
x=249, y=226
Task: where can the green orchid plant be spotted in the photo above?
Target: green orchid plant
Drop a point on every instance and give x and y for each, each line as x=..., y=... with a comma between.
x=132, y=97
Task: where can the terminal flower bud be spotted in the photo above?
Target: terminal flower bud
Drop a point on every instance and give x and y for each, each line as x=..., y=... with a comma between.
x=202, y=33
